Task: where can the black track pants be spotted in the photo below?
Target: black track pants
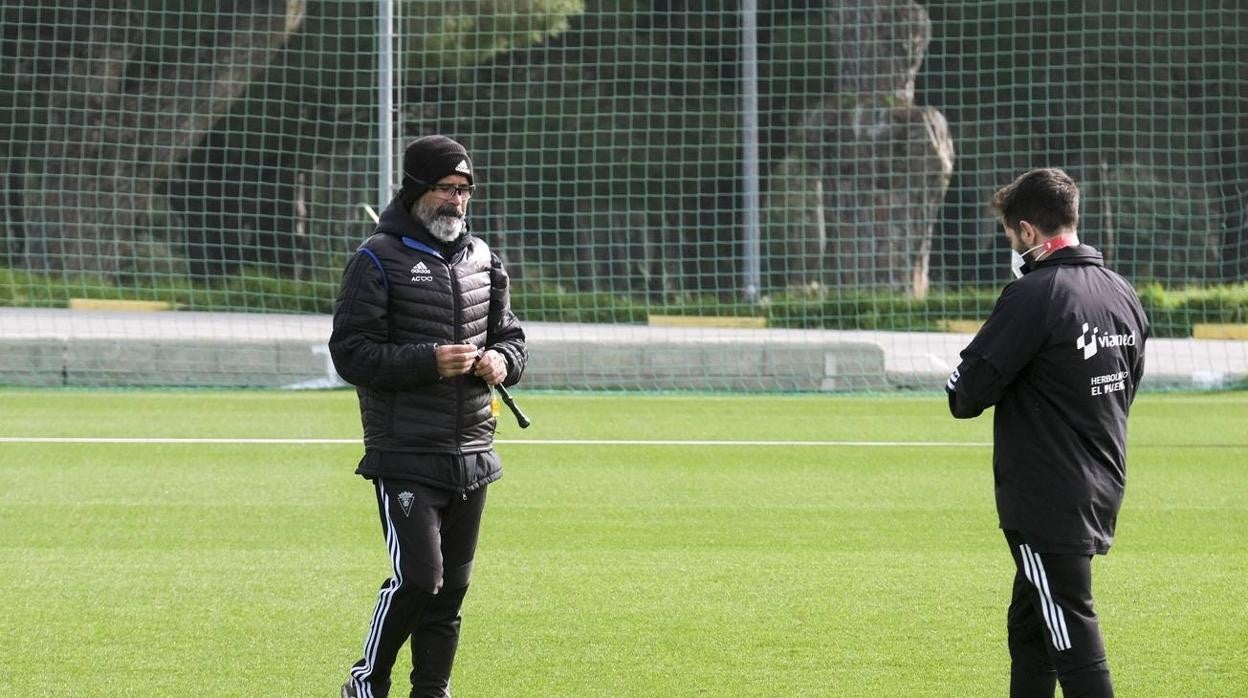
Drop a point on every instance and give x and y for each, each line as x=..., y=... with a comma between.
x=1053, y=631
x=431, y=536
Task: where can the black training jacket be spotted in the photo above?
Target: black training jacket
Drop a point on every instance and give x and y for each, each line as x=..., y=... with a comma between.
x=402, y=294
x=1061, y=358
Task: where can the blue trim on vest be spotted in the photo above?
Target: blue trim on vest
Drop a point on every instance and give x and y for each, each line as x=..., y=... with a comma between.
x=377, y=263
x=418, y=245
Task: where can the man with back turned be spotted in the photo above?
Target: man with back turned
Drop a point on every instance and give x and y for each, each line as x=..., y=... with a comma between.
x=1060, y=357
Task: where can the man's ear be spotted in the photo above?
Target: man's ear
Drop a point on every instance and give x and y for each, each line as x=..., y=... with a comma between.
x=1027, y=230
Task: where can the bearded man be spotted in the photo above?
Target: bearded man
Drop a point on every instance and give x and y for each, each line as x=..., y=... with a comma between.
x=423, y=328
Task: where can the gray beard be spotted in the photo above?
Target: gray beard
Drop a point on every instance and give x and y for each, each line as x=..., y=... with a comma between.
x=443, y=227
x=446, y=228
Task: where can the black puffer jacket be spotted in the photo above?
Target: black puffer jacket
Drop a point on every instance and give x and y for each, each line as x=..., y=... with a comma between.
x=1061, y=357
x=402, y=294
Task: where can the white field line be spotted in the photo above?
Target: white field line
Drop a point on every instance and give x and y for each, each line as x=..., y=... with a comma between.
x=506, y=442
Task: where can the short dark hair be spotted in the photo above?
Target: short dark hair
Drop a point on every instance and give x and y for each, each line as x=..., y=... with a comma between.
x=1046, y=197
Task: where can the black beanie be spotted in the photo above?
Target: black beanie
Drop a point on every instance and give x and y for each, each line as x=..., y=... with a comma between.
x=429, y=159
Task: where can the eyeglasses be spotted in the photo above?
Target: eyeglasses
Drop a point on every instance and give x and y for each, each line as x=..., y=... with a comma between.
x=449, y=190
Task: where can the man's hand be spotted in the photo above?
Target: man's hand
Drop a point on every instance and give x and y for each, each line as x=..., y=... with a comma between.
x=491, y=367
x=454, y=359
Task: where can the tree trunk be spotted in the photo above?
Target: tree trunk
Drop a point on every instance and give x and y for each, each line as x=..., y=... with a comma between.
x=117, y=123
x=883, y=164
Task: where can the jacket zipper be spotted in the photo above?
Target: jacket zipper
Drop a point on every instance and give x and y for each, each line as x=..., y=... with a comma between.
x=456, y=322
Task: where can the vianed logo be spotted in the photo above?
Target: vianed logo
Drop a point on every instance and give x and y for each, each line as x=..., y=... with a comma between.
x=1088, y=341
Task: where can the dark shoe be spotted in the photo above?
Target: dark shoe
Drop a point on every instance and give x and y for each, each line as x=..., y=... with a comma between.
x=373, y=690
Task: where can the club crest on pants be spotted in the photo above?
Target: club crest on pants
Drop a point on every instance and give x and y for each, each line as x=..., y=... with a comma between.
x=405, y=500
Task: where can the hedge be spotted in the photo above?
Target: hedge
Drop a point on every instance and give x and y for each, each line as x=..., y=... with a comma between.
x=1171, y=311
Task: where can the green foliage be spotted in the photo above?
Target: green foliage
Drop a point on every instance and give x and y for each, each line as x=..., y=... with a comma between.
x=552, y=303
x=473, y=32
x=878, y=311
x=625, y=127
x=1171, y=311
x=250, y=290
x=246, y=291
x=1163, y=226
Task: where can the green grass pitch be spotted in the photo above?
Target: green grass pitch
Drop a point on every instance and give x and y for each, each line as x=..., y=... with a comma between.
x=604, y=569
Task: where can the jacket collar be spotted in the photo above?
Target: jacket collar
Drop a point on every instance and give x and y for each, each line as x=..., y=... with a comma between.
x=1078, y=255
